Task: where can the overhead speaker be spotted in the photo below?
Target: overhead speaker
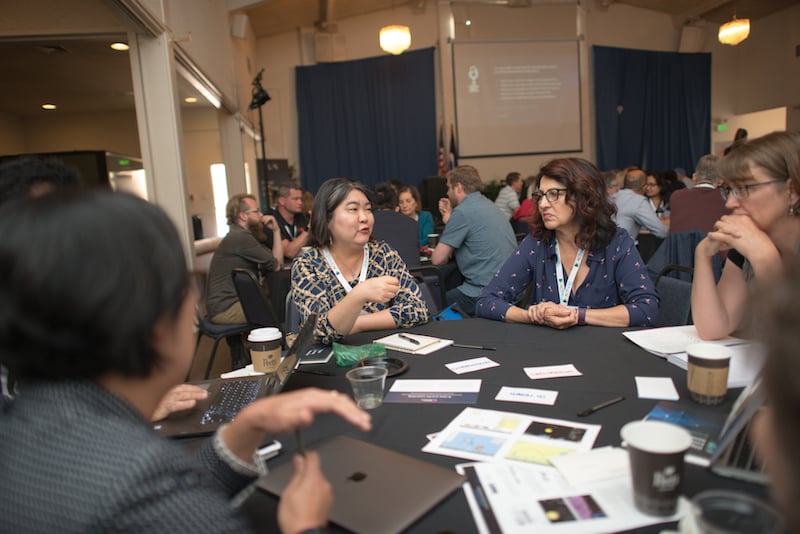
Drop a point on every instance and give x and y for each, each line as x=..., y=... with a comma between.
x=239, y=26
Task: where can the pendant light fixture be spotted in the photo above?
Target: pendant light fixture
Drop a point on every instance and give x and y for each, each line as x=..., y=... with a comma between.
x=735, y=31
x=395, y=38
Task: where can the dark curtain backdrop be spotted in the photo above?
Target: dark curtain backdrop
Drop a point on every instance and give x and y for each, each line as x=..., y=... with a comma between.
x=370, y=120
x=653, y=109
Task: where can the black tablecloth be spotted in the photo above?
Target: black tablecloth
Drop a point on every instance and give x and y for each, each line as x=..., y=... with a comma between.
x=608, y=361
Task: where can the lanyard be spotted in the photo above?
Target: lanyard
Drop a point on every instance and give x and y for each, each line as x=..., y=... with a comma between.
x=345, y=284
x=564, y=291
x=291, y=231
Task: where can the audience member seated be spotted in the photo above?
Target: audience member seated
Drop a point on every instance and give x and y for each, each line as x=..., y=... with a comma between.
x=94, y=356
x=775, y=430
x=291, y=220
x=411, y=206
x=508, y=197
x=523, y=215
x=613, y=180
x=240, y=249
x=701, y=206
x=633, y=208
x=580, y=267
x=657, y=193
x=353, y=283
x=476, y=232
x=762, y=188
x=399, y=231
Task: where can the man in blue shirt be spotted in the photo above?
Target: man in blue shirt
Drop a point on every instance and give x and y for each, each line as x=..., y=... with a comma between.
x=633, y=209
x=476, y=232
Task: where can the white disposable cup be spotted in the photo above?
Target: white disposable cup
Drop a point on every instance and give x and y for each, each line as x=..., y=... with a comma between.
x=656, y=450
x=265, y=349
x=707, y=372
x=367, y=383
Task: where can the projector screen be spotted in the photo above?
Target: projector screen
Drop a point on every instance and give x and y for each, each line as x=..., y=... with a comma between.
x=519, y=97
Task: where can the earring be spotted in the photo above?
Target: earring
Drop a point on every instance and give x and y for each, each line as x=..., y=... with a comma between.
x=792, y=211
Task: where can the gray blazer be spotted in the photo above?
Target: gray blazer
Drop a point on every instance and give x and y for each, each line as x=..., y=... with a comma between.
x=74, y=458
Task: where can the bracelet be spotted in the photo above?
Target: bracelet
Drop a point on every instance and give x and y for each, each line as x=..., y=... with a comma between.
x=581, y=316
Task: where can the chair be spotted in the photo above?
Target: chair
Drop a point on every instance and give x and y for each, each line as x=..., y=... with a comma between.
x=292, y=314
x=400, y=232
x=678, y=249
x=675, y=296
x=205, y=327
x=256, y=306
x=432, y=285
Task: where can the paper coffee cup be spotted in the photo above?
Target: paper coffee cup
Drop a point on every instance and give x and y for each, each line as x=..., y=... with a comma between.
x=433, y=240
x=707, y=372
x=265, y=349
x=656, y=450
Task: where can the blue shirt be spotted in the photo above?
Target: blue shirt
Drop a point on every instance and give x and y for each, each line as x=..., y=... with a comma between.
x=425, y=221
x=482, y=238
x=617, y=275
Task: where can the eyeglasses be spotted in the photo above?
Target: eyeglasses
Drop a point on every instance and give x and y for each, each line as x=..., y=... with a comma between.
x=254, y=210
x=743, y=191
x=551, y=195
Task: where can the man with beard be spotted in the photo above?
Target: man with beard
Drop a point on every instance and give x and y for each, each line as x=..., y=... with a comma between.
x=240, y=249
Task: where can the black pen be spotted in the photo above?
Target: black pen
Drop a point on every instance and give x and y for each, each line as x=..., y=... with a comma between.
x=313, y=372
x=478, y=347
x=606, y=404
x=408, y=338
x=301, y=450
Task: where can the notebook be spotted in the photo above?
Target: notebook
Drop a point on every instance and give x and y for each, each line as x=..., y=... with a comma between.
x=413, y=343
x=375, y=490
x=227, y=396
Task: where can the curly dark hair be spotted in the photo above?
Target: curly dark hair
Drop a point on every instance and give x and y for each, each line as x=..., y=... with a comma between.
x=586, y=192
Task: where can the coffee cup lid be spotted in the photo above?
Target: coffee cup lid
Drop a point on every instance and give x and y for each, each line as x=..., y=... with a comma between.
x=264, y=334
x=709, y=351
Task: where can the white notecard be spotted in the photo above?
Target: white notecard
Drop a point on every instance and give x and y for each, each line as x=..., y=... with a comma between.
x=528, y=395
x=656, y=387
x=468, y=366
x=551, y=371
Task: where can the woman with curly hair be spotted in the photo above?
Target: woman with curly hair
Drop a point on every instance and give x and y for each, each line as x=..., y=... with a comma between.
x=580, y=268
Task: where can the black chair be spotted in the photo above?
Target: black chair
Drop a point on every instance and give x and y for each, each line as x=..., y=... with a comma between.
x=205, y=327
x=400, y=232
x=675, y=296
x=292, y=314
x=256, y=306
x=432, y=285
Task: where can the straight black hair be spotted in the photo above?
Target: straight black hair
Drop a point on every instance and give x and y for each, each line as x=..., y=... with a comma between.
x=330, y=195
x=84, y=277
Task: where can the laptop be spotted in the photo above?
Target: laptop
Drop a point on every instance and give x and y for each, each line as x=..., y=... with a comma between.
x=375, y=490
x=226, y=397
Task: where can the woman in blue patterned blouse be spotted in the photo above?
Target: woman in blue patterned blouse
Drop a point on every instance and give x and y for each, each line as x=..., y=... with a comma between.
x=580, y=267
x=353, y=283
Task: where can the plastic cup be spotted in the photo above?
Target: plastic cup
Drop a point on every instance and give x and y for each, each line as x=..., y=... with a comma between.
x=707, y=372
x=367, y=383
x=729, y=512
x=433, y=240
x=656, y=450
x=265, y=349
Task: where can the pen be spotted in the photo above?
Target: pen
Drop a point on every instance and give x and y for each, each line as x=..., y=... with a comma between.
x=460, y=346
x=312, y=372
x=606, y=404
x=301, y=450
x=408, y=338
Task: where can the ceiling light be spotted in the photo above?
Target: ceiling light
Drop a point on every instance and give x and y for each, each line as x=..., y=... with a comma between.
x=734, y=32
x=190, y=99
x=468, y=23
x=48, y=106
x=120, y=47
x=395, y=39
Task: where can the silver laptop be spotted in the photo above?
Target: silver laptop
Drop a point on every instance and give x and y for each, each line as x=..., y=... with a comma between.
x=375, y=490
x=226, y=397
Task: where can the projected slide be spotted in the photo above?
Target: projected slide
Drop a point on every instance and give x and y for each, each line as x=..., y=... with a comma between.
x=517, y=97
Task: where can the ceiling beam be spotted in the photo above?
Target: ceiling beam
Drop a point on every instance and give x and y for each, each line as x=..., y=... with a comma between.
x=698, y=9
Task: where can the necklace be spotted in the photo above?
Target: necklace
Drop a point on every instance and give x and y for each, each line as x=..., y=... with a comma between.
x=334, y=266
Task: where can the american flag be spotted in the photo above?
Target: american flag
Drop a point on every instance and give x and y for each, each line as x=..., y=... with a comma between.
x=442, y=155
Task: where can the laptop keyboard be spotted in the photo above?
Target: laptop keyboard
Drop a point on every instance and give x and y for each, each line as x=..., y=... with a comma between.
x=230, y=399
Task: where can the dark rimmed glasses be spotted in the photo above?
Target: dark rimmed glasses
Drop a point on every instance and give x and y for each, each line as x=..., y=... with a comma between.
x=551, y=195
x=743, y=191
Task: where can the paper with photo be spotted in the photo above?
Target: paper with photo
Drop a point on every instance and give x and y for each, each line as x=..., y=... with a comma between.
x=490, y=435
x=474, y=364
x=551, y=371
x=529, y=395
x=513, y=498
x=656, y=387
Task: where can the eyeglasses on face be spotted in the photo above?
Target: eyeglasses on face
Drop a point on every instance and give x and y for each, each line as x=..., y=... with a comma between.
x=551, y=195
x=743, y=191
x=254, y=210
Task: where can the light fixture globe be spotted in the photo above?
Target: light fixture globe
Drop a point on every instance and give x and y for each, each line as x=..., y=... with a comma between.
x=734, y=32
x=395, y=39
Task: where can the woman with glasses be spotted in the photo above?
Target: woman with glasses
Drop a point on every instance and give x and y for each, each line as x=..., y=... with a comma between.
x=657, y=193
x=577, y=265
x=762, y=188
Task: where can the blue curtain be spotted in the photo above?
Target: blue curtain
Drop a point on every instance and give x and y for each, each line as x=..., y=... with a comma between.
x=652, y=109
x=370, y=120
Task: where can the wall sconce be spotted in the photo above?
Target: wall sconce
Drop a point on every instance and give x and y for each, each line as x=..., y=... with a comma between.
x=395, y=39
x=734, y=32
